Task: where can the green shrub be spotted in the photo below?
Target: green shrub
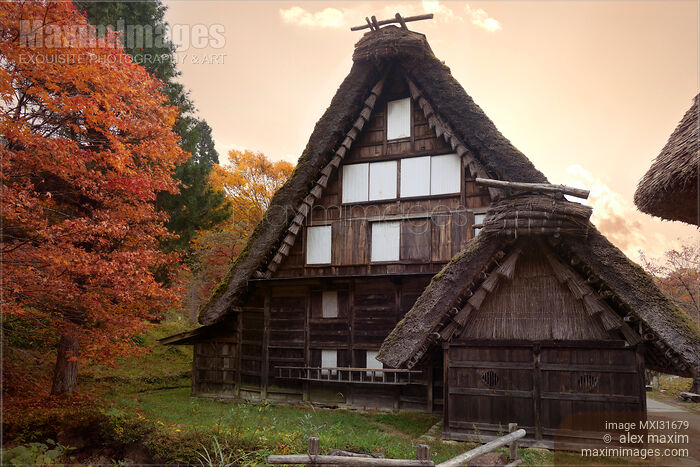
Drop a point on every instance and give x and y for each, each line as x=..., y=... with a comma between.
x=118, y=428
x=48, y=453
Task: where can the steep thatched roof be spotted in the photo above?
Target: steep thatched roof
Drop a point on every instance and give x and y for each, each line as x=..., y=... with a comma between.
x=402, y=51
x=670, y=188
x=676, y=347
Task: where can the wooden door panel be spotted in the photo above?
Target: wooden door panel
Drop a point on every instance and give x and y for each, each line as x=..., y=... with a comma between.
x=543, y=389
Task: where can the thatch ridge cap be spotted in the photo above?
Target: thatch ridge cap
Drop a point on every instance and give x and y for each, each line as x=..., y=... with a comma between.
x=390, y=42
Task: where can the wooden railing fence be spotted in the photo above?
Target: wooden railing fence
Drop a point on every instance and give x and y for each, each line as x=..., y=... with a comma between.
x=313, y=456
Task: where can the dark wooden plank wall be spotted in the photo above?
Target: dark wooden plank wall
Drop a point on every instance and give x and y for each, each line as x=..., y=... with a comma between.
x=289, y=330
x=215, y=367
x=563, y=391
x=428, y=242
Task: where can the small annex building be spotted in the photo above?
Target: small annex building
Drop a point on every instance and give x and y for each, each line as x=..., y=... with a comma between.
x=383, y=275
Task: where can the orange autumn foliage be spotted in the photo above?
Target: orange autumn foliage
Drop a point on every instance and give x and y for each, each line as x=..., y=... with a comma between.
x=86, y=145
x=249, y=180
x=677, y=274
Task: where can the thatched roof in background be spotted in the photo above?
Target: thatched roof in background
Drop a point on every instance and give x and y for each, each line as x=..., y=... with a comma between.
x=670, y=188
x=633, y=289
x=405, y=52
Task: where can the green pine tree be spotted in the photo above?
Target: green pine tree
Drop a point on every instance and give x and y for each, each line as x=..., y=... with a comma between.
x=198, y=205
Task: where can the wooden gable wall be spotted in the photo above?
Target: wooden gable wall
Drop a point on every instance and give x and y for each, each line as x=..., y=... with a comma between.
x=433, y=228
x=534, y=306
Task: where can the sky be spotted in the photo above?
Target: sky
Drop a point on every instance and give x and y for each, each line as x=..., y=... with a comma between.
x=590, y=91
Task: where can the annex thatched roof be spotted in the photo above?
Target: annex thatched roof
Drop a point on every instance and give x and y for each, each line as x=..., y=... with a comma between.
x=676, y=342
x=404, y=52
x=670, y=188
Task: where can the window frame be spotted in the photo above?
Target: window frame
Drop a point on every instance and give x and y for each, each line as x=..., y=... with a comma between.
x=399, y=164
x=410, y=120
x=367, y=359
x=475, y=230
x=327, y=370
x=323, y=304
x=373, y=244
x=317, y=228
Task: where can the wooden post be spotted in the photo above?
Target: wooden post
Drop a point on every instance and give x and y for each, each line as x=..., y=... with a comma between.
x=305, y=385
x=536, y=392
x=445, y=386
x=423, y=452
x=264, y=371
x=350, y=316
x=314, y=448
x=429, y=379
x=239, y=350
x=513, y=454
x=639, y=354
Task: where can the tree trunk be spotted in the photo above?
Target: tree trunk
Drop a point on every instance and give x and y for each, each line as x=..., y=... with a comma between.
x=65, y=373
x=695, y=388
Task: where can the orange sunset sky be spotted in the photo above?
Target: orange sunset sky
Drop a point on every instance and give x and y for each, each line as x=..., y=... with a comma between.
x=589, y=91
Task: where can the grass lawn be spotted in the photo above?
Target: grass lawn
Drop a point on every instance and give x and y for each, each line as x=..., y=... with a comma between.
x=147, y=400
x=284, y=429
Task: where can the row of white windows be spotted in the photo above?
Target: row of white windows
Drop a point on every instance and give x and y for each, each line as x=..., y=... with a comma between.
x=329, y=359
x=420, y=176
x=385, y=241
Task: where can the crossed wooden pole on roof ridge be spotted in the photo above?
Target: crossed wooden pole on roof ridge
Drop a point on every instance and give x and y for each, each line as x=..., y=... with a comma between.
x=374, y=25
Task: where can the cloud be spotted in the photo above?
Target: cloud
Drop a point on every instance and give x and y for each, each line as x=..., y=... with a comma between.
x=442, y=12
x=335, y=18
x=481, y=19
x=614, y=215
x=326, y=18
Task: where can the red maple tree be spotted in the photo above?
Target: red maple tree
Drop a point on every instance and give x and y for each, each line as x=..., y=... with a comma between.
x=86, y=144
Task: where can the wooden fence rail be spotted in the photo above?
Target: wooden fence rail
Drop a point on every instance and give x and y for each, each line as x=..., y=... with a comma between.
x=511, y=439
x=313, y=456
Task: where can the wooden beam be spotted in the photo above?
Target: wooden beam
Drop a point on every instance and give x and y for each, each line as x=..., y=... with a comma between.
x=265, y=363
x=543, y=187
x=343, y=460
x=401, y=21
x=463, y=459
x=375, y=24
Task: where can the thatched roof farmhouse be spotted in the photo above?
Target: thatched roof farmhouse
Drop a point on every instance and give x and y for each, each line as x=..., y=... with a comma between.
x=416, y=260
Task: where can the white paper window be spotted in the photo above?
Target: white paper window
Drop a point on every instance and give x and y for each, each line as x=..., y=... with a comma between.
x=415, y=176
x=478, y=219
x=398, y=121
x=382, y=180
x=373, y=363
x=386, y=237
x=329, y=304
x=329, y=359
x=318, y=245
x=355, y=183
x=445, y=174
